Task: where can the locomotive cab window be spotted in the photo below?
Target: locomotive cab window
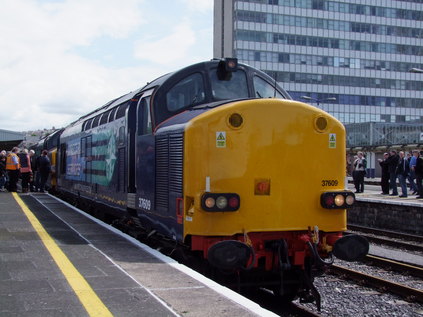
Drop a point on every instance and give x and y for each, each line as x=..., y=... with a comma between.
x=187, y=92
x=233, y=88
x=264, y=89
x=144, y=117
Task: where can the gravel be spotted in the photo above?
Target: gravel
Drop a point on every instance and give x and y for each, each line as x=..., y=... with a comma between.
x=345, y=298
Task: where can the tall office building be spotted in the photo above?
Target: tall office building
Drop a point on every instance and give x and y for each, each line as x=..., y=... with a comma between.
x=351, y=58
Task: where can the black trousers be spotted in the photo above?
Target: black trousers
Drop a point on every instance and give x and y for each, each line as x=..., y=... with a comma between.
x=419, y=179
x=359, y=180
x=13, y=180
x=384, y=182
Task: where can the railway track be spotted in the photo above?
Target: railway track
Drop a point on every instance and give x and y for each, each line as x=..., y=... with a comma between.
x=390, y=238
x=392, y=265
x=302, y=311
x=407, y=293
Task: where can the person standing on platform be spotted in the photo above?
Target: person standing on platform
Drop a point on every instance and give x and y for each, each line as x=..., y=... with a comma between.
x=402, y=172
x=25, y=169
x=418, y=169
x=392, y=164
x=412, y=175
x=360, y=165
x=12, y=167
x=44, y=169
x=2, y=171
x=33, y=169
x=385, y=174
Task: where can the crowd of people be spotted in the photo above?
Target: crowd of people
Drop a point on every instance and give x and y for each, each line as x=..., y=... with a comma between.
x=407, y=168
x=21, y=165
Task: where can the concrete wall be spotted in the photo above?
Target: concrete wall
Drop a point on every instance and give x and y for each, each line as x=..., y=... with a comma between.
x=402, y=218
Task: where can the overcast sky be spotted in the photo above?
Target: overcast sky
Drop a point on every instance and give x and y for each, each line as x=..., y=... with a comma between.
x=60, y=59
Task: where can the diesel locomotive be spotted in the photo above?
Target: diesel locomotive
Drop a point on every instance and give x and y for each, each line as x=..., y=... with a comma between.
x=218, y=159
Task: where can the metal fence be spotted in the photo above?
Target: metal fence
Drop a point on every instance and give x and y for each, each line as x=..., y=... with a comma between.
x=371, y=134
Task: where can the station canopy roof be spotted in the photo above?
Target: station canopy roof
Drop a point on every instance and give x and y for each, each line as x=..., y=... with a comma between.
x=9, y=139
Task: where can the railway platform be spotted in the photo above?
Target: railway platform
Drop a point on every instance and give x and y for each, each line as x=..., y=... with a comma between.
x=58, y=261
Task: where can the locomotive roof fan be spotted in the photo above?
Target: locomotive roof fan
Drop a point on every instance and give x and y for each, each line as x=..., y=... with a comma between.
x=226, y=67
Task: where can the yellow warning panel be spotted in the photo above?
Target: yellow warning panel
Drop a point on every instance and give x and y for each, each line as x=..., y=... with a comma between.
x=332, y=140
x=221, y=139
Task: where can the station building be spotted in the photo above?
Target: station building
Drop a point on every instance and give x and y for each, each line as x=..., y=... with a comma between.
x=357, y=60
x=9, y=139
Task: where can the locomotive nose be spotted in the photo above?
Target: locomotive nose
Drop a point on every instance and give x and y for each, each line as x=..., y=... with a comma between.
x=351, y=248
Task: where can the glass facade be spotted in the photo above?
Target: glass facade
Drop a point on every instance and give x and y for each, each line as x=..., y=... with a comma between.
x=350, y=58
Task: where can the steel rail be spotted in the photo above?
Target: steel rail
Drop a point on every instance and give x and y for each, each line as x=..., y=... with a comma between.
x=397, y=266
x=302, y=311
x=408, y=293
x=388, y=233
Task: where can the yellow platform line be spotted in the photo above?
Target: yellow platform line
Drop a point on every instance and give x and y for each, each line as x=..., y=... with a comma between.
x=89, y=299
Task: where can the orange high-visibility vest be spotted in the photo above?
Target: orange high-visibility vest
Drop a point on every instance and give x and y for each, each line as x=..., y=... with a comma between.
x=10, y=165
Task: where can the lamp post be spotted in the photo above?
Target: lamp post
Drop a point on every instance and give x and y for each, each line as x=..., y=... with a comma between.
x=318, y=101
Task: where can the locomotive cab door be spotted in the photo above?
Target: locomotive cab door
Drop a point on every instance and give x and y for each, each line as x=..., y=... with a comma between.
x=144, y=161
x=154, y=200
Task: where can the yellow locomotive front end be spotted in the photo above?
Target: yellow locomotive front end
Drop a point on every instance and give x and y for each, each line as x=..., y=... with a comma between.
x=279, y=156
x=265, y=190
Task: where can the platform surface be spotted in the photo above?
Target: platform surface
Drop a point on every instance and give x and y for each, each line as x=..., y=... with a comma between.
x=124, y=277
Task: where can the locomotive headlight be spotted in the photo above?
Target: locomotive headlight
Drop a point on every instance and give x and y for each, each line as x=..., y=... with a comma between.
x=320, y=124
x=329, y=200
x=235, y=120
x=234, y=202
x=210, y=202
x=339, y=200
x=221, y=202
x=349, y=200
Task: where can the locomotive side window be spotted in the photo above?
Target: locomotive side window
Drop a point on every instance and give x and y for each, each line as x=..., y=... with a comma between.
x=104, y=117
x=121, y=138
x=88, y=151
x=144, y=117
x=121, y=111
x=112, y=114
x=96, y=121
x=187, y=92
x=234, y=88
x=263, y=89
x=63, y=158
x=83, y=147
x=88, y=125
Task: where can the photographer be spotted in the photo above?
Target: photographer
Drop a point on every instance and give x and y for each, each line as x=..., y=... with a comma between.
x=360, y=165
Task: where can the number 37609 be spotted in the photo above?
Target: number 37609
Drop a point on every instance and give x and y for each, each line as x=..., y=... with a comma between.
x=329, y=182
